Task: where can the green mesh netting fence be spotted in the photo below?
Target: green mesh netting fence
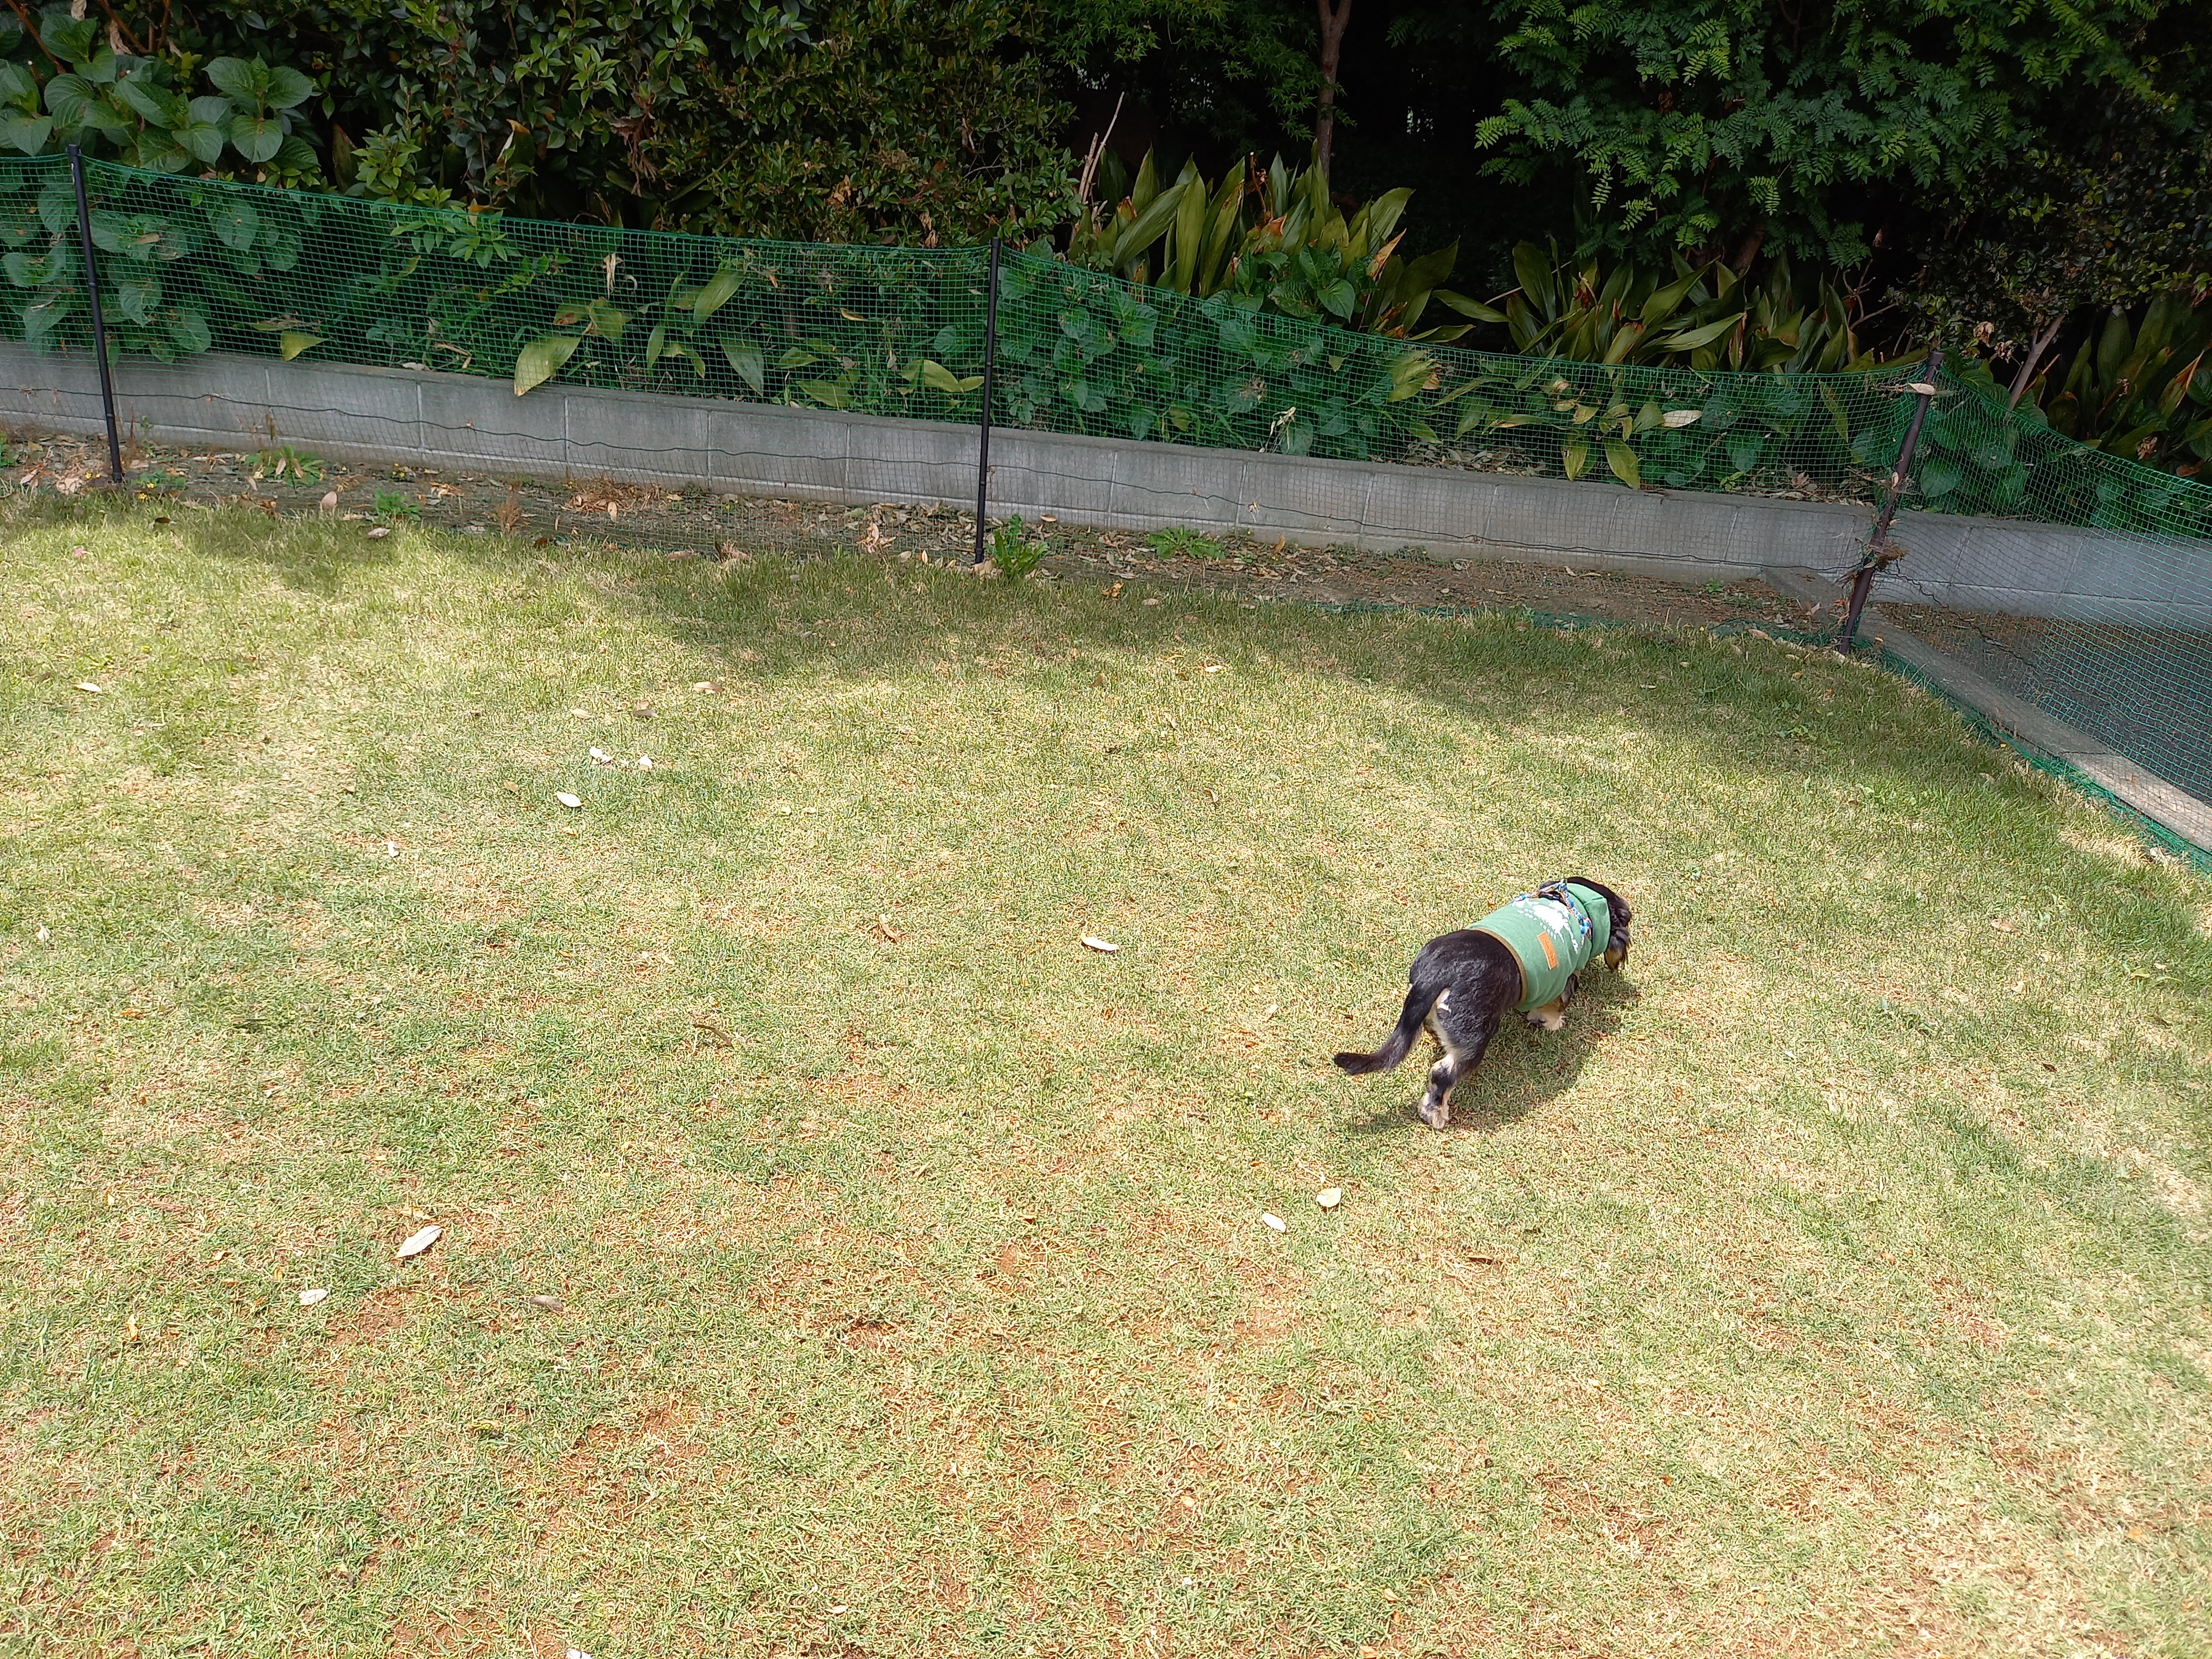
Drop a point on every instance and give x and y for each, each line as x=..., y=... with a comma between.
x=2078, y=581
x=191, y=266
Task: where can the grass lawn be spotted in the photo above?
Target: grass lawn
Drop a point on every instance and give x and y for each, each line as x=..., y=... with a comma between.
x=838, y=1258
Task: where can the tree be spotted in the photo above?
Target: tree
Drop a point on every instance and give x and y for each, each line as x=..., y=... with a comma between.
x=1710, y=126
x=831, y=119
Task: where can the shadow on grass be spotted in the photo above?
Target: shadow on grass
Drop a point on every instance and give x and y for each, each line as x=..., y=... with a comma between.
x=1759, y=721
x=1524, y=1068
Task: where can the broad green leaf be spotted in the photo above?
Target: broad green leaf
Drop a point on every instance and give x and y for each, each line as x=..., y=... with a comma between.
x=1534, y=272
x=19, y=87
x=189, y=328
x=746, y=361
x=162, y=109
x=936, y=375
x=137, y=296
x=1690, y=339
x=41, y=319
x=27, y=133
x=28, y=270
x=1939, y=476
x=256, y=137
x=542, y=359
x=1622, y=459
x=1660, y=307
x=244, y=83
x=797, y=357
x=716, y=295
x=1574, y=457
x=698, y=363
x=1150, y=225
x=827, y=394
x=288, y=87
x=160, y=152
x=606, y=321
x=294, y=341
x=652, y=343
x=70, y=99
x=67, y=37
x=235, y=224
x=205, y=133
x=295, y=154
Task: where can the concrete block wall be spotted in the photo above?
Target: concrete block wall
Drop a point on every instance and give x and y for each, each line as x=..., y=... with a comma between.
x=469, y=423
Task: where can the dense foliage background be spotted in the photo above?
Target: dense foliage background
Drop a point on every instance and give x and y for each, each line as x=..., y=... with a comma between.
x=2009, y=177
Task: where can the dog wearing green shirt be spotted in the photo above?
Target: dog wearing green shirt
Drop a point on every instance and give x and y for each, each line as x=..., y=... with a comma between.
x=1524, y=956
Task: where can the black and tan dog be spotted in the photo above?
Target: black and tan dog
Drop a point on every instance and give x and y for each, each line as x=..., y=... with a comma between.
x=1525, y=955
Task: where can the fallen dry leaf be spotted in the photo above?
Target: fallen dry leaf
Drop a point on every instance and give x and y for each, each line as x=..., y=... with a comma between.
x=313, y=1295
x=2001, y=925
x=418, y=1242
x=885, y=930
x=1329, y=1197
x=87, y=685
x=377, y=532
x=567, y=799
x=1099, y=945
x=1274, y=1220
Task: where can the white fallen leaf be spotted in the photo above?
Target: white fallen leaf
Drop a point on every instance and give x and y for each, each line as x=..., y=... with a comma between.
x=567, y=799
x=702, y=685
x=391, y=849
x=578, y=1653
x=1329, y=1197
x=581, y=714
x=645, y=763
x=87, y=685
x=418, y=1242
x=1274, y=1220
x=1214, y=668
x=601, y=756
x=1678, y=418
x=331, y=501
x=377, y=532
x=1099, y=945
x=43, y=935
x=310, y=1296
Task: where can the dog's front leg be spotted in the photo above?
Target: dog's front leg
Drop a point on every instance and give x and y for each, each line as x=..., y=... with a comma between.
x=1552, y=1015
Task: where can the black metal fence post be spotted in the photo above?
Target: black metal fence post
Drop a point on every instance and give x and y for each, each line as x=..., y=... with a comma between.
x=983, y=439
x=1878, y=551
x=99, y=322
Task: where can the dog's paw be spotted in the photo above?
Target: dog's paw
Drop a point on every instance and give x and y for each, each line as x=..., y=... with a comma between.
x=1553, y=1022
x=1436, y=1114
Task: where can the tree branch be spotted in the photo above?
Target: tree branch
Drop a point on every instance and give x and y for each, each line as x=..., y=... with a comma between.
x=1332, y=20
x=2043, y=339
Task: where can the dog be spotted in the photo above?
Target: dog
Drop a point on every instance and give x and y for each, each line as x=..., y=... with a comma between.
x=1527, y=955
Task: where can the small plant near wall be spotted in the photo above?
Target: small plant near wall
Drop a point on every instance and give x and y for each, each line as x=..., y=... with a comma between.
x=1014, y=550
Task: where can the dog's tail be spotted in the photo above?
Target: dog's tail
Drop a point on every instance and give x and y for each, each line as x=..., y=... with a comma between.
x=1393, y=1049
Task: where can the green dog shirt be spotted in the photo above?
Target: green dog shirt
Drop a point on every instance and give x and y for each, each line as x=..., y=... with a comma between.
x=1553, y=933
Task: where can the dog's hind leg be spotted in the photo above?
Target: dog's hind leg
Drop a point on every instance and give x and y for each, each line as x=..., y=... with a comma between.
x=1463, y=1042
